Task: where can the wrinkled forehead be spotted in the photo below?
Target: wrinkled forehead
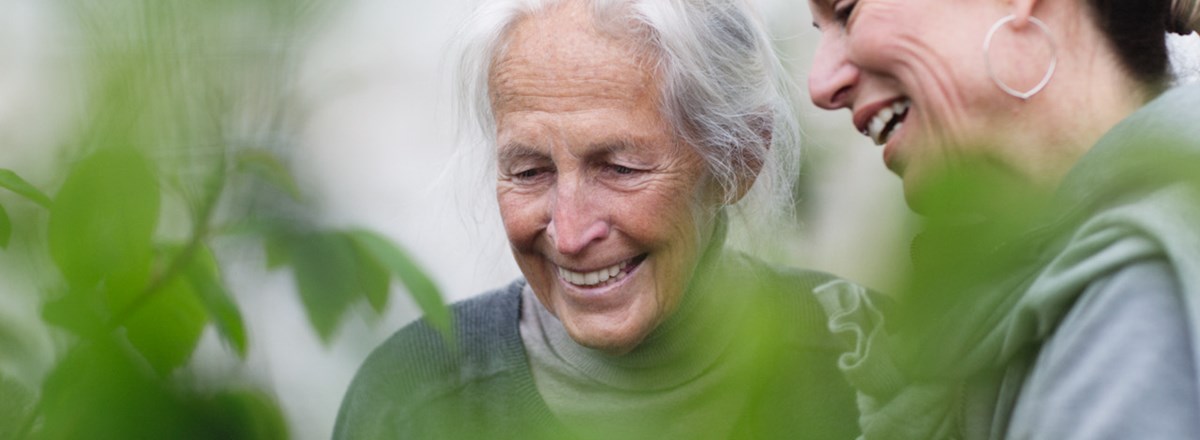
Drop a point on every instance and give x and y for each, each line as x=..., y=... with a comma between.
x=562, y=53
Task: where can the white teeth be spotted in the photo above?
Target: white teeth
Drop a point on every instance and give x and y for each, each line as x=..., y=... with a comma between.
x=879, y=122
x=593, y=278
x=885, y=114
x=876, y=127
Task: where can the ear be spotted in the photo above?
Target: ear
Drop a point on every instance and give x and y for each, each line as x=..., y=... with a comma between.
x=1021, y=11
x=754, y=164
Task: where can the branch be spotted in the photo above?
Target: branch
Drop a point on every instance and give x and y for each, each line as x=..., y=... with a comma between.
x=200, y=232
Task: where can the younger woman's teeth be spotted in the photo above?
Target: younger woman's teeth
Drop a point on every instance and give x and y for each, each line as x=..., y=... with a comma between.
x=612, y=273
x=887, y=121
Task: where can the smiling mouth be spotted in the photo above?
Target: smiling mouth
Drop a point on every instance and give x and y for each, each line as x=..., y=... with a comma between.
x=887, y=121
x=602, y=277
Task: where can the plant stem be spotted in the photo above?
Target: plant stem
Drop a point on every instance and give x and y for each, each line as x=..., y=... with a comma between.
x=200, y=233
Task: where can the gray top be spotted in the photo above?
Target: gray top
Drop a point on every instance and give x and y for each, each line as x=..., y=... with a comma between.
x=1118, y=367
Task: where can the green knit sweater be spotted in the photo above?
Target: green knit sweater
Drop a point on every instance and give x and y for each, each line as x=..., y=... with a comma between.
x=417, y=386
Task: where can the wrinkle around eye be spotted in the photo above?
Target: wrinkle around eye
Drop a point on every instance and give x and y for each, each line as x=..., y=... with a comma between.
x=621, y=170
x=656, y=180
x=527, y=178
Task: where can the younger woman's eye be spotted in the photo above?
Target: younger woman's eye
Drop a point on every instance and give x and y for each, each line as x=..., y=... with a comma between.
x=842, y=14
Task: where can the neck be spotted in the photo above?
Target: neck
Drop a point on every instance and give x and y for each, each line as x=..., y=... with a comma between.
x=1089, y=94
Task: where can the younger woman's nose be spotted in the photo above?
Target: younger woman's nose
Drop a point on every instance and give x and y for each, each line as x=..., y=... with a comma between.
x=832, y=80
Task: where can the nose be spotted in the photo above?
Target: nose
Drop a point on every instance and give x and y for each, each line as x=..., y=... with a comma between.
x=833, y=77
x=575, y=220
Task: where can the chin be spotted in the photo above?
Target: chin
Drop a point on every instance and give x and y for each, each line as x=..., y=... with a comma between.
x=611, y=338
x=915, y=200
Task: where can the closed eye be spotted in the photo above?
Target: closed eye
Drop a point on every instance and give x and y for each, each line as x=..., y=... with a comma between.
x=842, y=14
x=537, y=175
x=621, y=171
x=530, y=174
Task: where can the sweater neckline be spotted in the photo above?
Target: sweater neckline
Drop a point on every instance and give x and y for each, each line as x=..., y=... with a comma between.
x=681, y=349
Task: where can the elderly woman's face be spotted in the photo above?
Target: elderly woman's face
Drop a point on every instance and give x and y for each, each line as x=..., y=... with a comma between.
x=599, y=198
x=912, y=73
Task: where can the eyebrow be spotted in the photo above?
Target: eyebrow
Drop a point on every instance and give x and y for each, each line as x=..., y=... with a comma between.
x=517, y=151
x=613, y=146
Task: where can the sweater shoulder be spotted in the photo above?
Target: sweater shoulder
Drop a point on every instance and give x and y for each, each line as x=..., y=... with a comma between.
x=484, y=326
x=1120, y=364
x=418, y=364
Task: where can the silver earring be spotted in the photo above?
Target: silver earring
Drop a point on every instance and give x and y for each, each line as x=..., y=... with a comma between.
x=987, y=59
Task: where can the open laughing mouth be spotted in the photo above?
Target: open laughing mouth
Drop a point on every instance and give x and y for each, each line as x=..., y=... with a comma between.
x=602, y=277
x=886, y=121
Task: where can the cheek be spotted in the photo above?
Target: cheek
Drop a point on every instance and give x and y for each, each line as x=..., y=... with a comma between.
x=521, y=217
x=872, y=35
x=669, y=224
x=658, y=218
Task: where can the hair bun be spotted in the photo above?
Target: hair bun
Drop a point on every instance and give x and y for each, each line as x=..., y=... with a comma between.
x=1184, y=17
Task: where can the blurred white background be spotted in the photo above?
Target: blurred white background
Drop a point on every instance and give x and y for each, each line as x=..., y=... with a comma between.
x=377, y=148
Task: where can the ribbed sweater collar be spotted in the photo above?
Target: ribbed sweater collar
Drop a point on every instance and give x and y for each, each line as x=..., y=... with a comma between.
x=682, y=348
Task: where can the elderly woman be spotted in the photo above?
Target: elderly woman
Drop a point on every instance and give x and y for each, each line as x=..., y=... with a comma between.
x=1057, y=290
x=622, y=132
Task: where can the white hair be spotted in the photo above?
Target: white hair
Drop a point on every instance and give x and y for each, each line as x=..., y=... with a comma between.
x=724, y=90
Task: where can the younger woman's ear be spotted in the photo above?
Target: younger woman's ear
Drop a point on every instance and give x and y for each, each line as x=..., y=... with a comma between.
x=1021, y=11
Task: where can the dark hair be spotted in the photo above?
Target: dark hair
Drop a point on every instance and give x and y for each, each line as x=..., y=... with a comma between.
x=1137, y=30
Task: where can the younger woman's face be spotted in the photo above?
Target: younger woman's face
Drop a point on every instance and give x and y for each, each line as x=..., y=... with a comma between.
x=912, y=73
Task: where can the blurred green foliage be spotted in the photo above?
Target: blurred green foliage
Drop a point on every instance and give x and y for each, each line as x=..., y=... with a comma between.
x=178, y=150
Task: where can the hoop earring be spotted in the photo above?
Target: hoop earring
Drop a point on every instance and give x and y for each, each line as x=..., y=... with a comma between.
x=987, y=58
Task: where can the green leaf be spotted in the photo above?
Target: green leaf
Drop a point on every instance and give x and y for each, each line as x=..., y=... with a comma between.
x=166, y=328
x=104, y=217
x=5, y=228
x=373, y=278
x=80, y=312
x=14, y=183
x=422, y=289
x=100, y=390
x=275, y=246
x=268, y=167
x=324, y=270
x=247, y=414
x=205, y=278
x=14, y=407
